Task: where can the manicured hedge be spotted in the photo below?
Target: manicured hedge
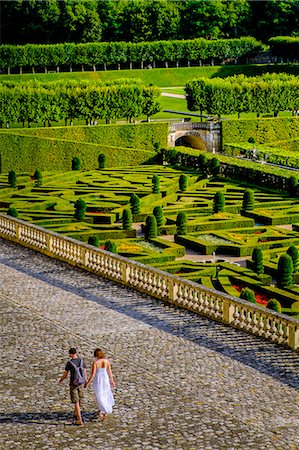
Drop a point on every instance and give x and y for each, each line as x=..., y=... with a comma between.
x=286, y=47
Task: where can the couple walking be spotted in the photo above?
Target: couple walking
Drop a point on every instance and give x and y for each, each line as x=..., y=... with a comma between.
x=102, y=380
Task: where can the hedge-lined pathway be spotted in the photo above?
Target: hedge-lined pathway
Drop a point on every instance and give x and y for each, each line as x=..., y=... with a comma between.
x=184, y=382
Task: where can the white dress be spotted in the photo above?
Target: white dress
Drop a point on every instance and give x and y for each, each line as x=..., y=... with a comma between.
x=102, y=390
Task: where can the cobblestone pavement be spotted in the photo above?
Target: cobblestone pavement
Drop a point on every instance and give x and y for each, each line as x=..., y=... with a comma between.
x=183, y=381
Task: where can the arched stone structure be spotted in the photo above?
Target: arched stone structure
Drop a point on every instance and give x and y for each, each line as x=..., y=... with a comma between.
x=201, y=135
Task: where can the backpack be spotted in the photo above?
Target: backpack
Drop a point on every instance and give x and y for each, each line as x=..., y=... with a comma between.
x=78, y=379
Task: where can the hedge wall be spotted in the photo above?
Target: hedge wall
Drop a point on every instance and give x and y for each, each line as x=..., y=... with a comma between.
x=285, y=46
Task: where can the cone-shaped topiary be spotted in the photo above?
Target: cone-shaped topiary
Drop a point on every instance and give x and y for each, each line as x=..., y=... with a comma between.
x=257, y=260
x=248, y=294
x=248, y=200
x=156, y=184
x=183, y=182
x=203, y=164
x=285, y=272
x=274, y=305
x=214, y=167
x=251, y=140
x=181, y=223
x=102, y=161
x=219, y=202
x=76, y=163
x=135, y=204
x=150, y=231
x=12, y=178
x=38, y=177
x=127, y=219
x=80, y=209
x=110, y=246
x=158, y=213
x=12, y=212
x=294, y=254
x=94, y=240
x=293, y=185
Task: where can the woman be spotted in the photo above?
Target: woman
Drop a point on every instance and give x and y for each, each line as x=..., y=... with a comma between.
x=101, y=373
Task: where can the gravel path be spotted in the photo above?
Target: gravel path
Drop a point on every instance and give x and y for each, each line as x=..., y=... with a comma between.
x=183, y=381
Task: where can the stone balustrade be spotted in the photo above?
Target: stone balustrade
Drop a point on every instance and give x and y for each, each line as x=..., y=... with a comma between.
x=216, y=305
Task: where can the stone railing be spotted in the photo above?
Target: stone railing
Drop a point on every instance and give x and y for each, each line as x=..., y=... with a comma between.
x=181, y=126
x=186, y=294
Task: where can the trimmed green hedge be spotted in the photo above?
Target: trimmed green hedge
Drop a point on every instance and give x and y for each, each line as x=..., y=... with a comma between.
x=285, y=46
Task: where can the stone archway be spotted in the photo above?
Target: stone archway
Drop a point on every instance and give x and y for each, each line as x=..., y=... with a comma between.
x=193, y=140
x=200, y=135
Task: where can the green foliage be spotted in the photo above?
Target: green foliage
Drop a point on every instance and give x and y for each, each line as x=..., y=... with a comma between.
x=285, y=46
x=76, y=163
x=158, y=213
x=80, y=209
x=135, y=204
x=294, y=254
x=248, y=200
x=181, y=223
x=127, y=219
x=257, y=261
x=12, y=212
x=156, y=184
x=38, y=177
x=218, y=202
x=251, y=140
x=214, y=167
x=284, y=274
x=293, y=185
x=110, y=246
x=203, y=164
x=12, y=178
x=102, y=161
x=248, y=294
x=94, y=240
x=183, y=182
x=274, y=305
x=150, y=231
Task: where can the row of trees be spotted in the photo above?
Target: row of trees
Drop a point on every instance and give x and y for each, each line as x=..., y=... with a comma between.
x=143, y=20
x=264, y=94
x=21, y=104
x=69, y=54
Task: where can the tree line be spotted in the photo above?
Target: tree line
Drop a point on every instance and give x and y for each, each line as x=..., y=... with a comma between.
x=53, y=21
x=38, y=55
x=27, y=103
x=269, y=93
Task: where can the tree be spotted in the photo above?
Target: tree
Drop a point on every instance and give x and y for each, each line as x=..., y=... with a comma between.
x=12, y=212
x=127, y=219
x=257, y=261
x=219, y=202
x=76, y=163
x=183, y=182
x=294, y=254
x=248, y=200
x=158, y=213
x=110, y=246
x=94, y=240
x=135, y=204
x=203, y=164
x=102, y=161
x=12, y=179
x=274, y=305
x=150, y=231
x=214, y=167
x=80, y=209
x=38, y=177
x=285, y=272
x=181, y=223
x=248, y=294
x=293, y=185
x=156, y=184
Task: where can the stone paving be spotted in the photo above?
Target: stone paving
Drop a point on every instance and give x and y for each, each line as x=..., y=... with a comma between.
x=183, y=381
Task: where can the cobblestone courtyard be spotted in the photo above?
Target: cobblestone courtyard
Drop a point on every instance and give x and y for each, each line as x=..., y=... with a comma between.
x=183, y=381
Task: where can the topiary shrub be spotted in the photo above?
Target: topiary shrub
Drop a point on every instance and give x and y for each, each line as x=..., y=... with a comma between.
x=158, y=213
x=257, y=260
x=251, y=140
x=219, y=202
x=94, y=240
x=248, y=294
x=12, y=178
x=293, y=185
x=171, y=156
x=181, y=223
x=127, y=219
x=294, y=254
x=248, y=200
x=150, y=231
x=156, y=184
x=110, y=246
x=80, y=209
x=214, y=167
x=76, y=163
x=12, y=212
x=157, y=146
x=274, y=305
x=102, y=161
x=183, y=182
x=203, y=164
x=285, y=272
x=38, y=177
x=135, y=204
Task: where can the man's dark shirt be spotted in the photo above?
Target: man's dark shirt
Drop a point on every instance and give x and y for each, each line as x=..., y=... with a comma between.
x=70, y=367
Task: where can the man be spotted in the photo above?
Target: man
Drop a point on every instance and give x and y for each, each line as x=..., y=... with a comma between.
x=77, y=369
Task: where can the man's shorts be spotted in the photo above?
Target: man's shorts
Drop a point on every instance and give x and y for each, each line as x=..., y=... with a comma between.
x=76, y=393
